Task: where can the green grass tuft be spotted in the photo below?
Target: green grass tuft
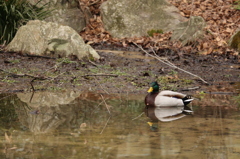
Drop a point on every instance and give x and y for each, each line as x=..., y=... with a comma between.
x=152, y=32
x=237, y=5
x=15, y=13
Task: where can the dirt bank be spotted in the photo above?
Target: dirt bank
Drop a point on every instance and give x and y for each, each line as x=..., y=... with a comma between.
x=120, y=70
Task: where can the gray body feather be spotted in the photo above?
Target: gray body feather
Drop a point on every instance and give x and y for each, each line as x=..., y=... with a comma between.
x=169, y=98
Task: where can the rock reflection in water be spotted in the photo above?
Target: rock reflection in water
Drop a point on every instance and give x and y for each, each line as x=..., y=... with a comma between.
x=47, y=111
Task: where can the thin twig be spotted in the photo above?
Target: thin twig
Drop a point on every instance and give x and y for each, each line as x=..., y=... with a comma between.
x=138, y=116
x=105, y=125
x=28, y=75
x=93, y=3
x=31, y=97
x=189, y=89
x=101, y=86
x=93, y=63
x=100, y=103
x=32, y=84
x=55, y=67
x=160, y=59
x=39, y=56
x=170, y=64
x=32, y=89
x=100, y=74
x=105, y=104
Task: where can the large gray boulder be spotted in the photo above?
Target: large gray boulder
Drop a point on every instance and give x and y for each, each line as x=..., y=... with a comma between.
x=128, y=18
x=189, y=31
x=52, y=39
x=66, y=12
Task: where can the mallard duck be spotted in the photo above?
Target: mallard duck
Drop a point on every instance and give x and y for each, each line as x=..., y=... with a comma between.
x=166, y=98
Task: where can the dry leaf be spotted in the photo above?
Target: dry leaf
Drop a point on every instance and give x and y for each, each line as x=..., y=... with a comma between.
x=8, y=138
x=90, y=42
x=124, y=44
x=205, y=52
x=218, y=38
x=229, y=30
x=85, y=141
x=83, y=125
x=13, y=148
x=182, y=14
x=209, y=50
x=202, y=7
x=205, y=45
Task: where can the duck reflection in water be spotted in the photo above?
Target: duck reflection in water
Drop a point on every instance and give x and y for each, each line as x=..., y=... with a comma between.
x=166, y=114
x=165, y=106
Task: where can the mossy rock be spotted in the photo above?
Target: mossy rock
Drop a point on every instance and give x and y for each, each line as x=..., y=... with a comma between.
x=136, y=18
x=235, y=41
x=50, y=39
x=189, y=31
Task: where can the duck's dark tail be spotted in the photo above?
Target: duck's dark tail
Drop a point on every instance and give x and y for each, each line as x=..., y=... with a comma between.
x=187, y=111
x=187, y=99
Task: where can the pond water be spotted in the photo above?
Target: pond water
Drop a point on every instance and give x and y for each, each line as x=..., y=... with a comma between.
x=73, y=125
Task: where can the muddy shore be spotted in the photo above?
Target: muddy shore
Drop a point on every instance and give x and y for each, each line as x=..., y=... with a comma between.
x=120, y=70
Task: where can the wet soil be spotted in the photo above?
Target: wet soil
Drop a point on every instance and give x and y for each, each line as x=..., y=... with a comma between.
x=120, y=70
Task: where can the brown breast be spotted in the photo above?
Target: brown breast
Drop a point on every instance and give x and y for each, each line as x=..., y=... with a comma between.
x=150, y=98
x=150, y=106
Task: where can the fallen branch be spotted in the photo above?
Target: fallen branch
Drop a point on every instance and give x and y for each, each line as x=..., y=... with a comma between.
x=26, y=75
x=39, y=56
x=100, y=74
x=166, y=62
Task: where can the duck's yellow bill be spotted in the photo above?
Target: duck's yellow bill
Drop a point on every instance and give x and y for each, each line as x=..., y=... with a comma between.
x=150, y=90
x=150, y=123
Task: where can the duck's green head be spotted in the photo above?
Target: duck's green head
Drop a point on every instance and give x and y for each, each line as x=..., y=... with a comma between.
x=154, y=87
